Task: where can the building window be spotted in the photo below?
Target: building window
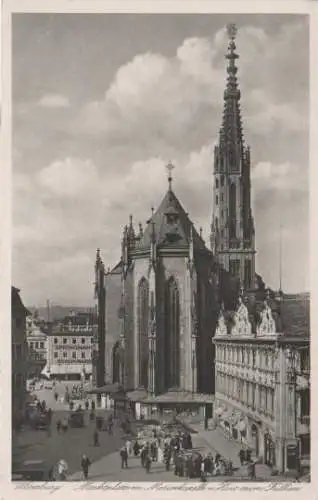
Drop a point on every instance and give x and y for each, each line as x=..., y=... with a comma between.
x=55, y=340
x=222, y=197
x=31, y=345
x=216, y=183
x=74, y=355
x=41, y=345
x=64, y=354
x=36, y=345
x=55, y=354
x=92, y=340
x=64, y=340
x=222, y=180
x=83, y=340
x=83, y=355
x=74, y=341
x=216, y=200
x=18, y=352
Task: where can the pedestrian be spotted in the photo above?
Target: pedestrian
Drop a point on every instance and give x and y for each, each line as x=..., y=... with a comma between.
x=148, y=463
x=129, y=447
x=58, y=425
x=203, y=478
x=124, y=457
x=56, y=396
x=85, y=465
x=136, y=448
x=241, y=455
x=143, y=456
x=86, y=405
x=93, y=405
x=96, y=437
x=251, y=470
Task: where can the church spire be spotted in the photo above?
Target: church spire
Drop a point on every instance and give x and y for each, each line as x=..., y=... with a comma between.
x=232, y=225
x=231, y=133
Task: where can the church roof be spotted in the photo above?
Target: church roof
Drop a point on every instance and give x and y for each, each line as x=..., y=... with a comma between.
x=176, y=233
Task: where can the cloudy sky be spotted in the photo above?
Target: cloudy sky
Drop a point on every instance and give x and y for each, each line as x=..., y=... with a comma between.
x=101, y=103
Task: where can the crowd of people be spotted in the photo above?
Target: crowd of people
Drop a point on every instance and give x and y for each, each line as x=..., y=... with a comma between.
x=173, y=448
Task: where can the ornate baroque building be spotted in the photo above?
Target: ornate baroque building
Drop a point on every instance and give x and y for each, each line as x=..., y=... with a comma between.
x=262, y=381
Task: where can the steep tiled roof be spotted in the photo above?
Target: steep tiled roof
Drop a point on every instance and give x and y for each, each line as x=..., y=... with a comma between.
x=171, y=235
x=16, y=301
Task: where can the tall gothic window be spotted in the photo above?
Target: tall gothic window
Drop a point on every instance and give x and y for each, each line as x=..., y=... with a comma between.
x=232, y=213
x=172, y=335
x=143, y=311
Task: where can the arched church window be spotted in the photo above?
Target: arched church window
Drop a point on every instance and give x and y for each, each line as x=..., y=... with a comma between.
x=172, y=335
x=143, y=350
x=232, y=214
x=116, y=363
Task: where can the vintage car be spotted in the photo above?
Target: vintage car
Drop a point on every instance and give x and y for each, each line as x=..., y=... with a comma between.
x=76, y=419
x=33, y=470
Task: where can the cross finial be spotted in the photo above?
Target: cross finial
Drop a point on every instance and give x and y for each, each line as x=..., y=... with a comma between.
x=169, y=168
x=231, y=30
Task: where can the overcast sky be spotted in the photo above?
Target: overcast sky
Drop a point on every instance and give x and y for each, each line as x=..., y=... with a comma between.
x=102, y=102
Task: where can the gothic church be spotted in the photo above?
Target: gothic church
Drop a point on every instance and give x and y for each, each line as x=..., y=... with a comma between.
x=158, y=306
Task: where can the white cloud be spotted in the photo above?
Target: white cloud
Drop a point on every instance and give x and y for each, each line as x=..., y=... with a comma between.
x=54, y=101
x=70, y=177
x=159, y=108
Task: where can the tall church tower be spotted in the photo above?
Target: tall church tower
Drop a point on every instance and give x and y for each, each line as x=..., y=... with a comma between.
x=232, y=228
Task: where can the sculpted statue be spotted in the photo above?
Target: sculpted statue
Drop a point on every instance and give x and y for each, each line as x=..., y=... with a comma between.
x=267, y=324
x=242, y=324
x=222, y=327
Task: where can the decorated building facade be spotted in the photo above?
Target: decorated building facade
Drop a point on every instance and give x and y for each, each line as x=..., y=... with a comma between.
x=262, y=371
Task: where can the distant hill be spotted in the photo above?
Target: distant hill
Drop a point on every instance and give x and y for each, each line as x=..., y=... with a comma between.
x=57, y=312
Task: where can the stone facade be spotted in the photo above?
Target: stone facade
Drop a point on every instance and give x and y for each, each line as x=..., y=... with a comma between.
x=158, y=332
x=262, y=387
x=20, y=361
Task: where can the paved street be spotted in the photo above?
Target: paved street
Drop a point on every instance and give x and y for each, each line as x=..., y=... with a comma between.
x=106, y=463
x=37, y=445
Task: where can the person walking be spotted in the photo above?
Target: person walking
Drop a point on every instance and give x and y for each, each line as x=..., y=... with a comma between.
x=96, y=437
x=85, y=465
x=58, y=425
x=241, y=455
x=124, y=457
x=147, y=463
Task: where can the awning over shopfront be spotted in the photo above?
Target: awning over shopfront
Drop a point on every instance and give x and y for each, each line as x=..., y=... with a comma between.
x=107, y=389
